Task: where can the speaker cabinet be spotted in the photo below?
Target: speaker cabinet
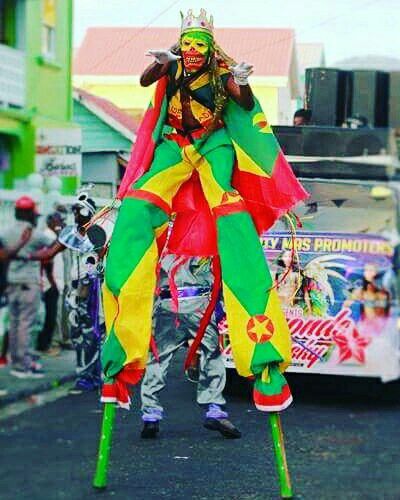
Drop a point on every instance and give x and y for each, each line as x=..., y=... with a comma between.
x=326, y=95
x=331, y=141
x=369, y=96
x=394, y=99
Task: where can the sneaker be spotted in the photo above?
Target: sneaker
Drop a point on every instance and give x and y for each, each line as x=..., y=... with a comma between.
x=224, y=426
x=36, y=366
x=150, y=430
x=19, y=372
x=3, y=361
x=84, y=385
x=36, y=372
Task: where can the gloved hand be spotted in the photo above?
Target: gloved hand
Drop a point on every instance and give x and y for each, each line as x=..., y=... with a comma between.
x=163, y=56
x=241, y=73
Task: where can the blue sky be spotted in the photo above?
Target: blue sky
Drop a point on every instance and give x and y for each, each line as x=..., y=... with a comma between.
x=346, y=27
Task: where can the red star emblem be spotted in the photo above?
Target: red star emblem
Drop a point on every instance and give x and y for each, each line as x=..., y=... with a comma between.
x=260, y=328
x=351, y=345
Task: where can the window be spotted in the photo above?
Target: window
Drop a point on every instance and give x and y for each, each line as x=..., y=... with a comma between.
x=7, y=22
x=49, y=28
x=3, y=38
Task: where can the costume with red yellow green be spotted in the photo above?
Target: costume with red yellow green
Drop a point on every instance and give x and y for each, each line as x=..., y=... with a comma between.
x=206, y=153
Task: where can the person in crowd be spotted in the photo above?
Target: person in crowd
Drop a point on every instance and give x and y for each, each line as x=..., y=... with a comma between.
x=173, y=330
x=302, y=117
x=52, y=283
x=63, y=278
x=19, y=240
x=84, y=296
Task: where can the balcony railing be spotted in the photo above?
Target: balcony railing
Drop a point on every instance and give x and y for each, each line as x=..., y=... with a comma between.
x=12, y=77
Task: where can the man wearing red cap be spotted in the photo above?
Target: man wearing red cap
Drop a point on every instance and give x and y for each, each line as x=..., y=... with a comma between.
x=19, y=240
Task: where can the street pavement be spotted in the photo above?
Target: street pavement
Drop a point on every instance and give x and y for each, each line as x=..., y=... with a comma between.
x=57, y=369
x=342, y=440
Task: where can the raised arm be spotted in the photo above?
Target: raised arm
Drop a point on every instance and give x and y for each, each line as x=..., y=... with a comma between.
x=237, y=85
x=159, y=67
x=46, y=254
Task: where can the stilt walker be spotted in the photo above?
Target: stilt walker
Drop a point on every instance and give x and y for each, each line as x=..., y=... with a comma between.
x=206, y=153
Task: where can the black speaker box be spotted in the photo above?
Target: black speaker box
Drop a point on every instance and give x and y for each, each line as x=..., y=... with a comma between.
x=394, y=99
x=326, y=95
x=369, y=96
x=331, y=141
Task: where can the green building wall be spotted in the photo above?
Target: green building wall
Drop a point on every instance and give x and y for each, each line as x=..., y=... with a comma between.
x=48, y=89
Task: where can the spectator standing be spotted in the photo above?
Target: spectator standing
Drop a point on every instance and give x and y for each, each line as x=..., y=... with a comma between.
x=52, y=282
x=19, y=240
x=84, y=296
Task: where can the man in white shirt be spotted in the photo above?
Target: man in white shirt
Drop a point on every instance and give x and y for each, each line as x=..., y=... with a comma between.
x=19, y=240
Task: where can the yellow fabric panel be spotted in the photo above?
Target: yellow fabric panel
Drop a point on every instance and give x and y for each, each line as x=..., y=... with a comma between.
x=166, y=183
x=200, y=112
x=136, y=301
x=110, y=305
x=246, y=164
x=242, y=346
x=281, y=340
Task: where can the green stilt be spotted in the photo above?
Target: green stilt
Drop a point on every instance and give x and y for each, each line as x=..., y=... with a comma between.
x=280, y=455
x=100, y=478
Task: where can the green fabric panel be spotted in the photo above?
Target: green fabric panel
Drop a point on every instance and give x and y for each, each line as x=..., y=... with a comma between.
x=133, y=234
x=218, y=138
x=263, y=354
x=96, y=134
x=112, y=356
x=221, y=160
x=274, y=386
x=167, y=154
x=262, y=148
x=244, y=268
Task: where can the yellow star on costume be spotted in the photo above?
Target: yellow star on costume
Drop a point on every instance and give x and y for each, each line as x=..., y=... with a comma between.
x=260, y=328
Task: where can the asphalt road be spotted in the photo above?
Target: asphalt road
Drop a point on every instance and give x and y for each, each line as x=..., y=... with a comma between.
x=342, y=442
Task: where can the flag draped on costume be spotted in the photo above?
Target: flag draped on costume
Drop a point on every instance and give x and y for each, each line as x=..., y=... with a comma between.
x=266, y=188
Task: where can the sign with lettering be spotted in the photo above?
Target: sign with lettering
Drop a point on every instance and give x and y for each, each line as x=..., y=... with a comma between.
x=339, y=295
x=58, y=152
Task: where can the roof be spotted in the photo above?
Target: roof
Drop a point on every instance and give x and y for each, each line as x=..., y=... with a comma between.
x=109, y=113
x=310, y=55
x=104, y=126
x=121, y=51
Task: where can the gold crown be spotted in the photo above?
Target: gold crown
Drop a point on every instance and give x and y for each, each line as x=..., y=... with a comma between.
x=200, y=22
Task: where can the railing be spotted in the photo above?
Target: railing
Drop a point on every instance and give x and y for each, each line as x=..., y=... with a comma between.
x=12, y=77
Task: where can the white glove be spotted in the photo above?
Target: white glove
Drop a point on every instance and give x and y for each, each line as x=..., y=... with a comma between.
x=241, y=73
x=163, y=56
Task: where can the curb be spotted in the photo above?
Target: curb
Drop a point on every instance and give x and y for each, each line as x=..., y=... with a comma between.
x=45, y=386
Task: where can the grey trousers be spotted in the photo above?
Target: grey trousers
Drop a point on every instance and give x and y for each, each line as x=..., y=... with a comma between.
x=169, y=338
x=23, y=305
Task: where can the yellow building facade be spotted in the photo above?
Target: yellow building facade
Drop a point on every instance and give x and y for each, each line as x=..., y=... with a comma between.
x=274, y=94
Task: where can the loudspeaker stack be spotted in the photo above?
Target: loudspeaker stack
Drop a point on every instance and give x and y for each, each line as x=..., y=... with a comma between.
x=335, y=95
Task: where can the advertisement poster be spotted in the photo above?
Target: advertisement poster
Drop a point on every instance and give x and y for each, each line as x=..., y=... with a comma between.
x=338, y=292
x=58, y=152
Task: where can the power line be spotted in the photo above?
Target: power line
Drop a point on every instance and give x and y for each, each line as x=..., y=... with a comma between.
x=322, y=23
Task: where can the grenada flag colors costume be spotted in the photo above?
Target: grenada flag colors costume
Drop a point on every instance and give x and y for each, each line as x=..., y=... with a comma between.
x=206, y=153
